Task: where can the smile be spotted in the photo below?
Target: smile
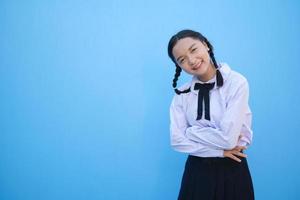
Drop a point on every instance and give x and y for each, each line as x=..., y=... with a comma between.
x=197, y=66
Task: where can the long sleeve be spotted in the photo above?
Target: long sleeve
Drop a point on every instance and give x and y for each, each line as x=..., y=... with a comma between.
x=226, y=134
x=178, y=127
x=246, y=133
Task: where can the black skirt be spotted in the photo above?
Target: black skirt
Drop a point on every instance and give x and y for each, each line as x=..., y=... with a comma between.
x=216, y=179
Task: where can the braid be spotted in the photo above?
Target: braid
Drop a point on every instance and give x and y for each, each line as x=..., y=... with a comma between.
x=176, y=76
x=218, y=73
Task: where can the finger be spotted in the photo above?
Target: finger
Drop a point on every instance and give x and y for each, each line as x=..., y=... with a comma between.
x=239, y=148
x=234, y=157
x=239, y=154
x=243, y=147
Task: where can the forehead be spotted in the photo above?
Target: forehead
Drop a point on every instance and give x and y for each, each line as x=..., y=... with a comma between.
x=183, y=45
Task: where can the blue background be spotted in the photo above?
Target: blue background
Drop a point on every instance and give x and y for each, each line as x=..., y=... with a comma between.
x=85, y=90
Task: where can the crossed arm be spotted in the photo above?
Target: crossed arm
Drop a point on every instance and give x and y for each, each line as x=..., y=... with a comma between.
x=221, y=141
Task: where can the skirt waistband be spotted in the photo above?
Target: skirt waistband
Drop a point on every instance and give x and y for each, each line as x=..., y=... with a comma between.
x=212, y=160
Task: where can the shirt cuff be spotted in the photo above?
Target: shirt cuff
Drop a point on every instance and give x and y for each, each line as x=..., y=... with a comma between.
x=210, y=153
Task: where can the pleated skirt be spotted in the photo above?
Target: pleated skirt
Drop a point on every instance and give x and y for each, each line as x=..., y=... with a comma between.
x=216, y=179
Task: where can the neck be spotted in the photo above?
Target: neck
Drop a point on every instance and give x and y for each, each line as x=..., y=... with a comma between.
x=211, y=72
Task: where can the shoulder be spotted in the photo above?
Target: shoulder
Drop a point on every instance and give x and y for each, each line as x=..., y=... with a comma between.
x=178, y=99
x=185, y=86
x=235, y=84
x=231, y=76
x=238, y=79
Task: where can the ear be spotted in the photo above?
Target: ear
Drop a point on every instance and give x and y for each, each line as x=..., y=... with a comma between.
x=206, y=46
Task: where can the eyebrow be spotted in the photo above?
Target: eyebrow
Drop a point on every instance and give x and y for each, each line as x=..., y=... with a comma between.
x=189, y=49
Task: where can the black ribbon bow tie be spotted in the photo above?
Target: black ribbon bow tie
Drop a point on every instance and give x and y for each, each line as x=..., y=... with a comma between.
x=203, y=94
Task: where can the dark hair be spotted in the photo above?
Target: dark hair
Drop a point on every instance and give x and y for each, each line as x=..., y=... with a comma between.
x=195, y=35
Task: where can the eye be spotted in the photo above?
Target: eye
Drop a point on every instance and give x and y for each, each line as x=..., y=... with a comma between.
x=181, y=60
x=193, y=50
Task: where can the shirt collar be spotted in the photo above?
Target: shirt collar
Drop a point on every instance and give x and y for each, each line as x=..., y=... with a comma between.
x=225, y=71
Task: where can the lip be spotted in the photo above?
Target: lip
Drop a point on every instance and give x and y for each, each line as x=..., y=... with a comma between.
x=198, y=65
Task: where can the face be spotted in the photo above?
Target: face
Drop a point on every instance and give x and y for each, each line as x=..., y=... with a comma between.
x=193, y=57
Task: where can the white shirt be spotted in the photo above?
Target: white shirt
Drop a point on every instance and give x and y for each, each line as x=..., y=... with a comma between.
x=230, y=117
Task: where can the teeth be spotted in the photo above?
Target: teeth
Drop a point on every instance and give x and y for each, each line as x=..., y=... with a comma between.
x=198, y=65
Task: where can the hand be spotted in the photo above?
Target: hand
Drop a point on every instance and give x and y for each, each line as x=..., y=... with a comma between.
x=236, y=151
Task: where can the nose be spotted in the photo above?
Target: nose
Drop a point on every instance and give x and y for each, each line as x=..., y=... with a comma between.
x=192, y=60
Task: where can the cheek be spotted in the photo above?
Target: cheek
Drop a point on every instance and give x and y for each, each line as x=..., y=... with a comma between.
x=186, y=69
x=205, y=56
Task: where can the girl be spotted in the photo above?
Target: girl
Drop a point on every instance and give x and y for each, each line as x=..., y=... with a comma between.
x=211, y=121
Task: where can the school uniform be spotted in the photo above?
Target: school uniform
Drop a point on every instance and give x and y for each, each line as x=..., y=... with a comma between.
x=206, y=121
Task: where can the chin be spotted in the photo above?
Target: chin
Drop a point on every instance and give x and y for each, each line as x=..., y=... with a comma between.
x=201, y=72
